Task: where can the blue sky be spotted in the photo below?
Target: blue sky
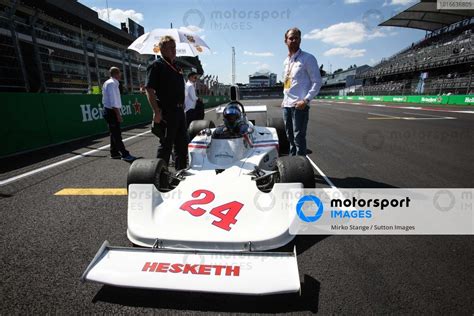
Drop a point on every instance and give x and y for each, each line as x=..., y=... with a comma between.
x=339, y=33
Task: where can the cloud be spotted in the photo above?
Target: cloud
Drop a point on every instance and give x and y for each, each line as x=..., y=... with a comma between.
x=373, y=61
x=263, y=67
x=398, y=2
x=118, y=16
x=259, y=66
x=264, y=54
x=344, y=34
x=345, y=52
x=353, y=1
x=191, y=29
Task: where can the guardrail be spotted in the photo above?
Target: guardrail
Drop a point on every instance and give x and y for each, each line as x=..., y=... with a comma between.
x=467, y=99
x=33, y=121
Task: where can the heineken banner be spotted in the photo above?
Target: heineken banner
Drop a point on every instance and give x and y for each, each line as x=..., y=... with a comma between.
x=32, y=121
x=420, y=99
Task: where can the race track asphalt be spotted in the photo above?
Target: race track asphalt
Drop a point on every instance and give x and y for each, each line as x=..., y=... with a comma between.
x=47, y=241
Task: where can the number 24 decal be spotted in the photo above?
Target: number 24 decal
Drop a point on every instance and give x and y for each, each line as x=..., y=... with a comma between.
x=226, y=212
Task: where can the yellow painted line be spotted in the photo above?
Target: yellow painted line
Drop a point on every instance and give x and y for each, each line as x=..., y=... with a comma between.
x=92, y=191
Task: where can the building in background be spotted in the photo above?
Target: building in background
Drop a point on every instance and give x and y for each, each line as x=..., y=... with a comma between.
x=135, y=29
x=61, y=46
x=262, y=79
x=342, y=81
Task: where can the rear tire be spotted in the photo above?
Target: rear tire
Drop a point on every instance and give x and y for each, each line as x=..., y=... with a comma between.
x=283, y=143
x=198, y=125
x=293, y=169
x=149, y=171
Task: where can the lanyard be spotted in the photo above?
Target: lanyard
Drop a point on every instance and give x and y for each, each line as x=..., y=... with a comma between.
x=172, y=67
x=291, y=66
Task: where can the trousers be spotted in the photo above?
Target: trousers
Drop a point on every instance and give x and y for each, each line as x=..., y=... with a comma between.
x=174, y=133
x=116, y=144
x=296, y=123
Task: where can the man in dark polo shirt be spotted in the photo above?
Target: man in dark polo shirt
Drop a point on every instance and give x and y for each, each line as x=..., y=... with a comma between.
x=165, y=93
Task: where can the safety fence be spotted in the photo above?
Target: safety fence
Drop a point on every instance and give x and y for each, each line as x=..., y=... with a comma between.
x=420, y=99
x=32, y=121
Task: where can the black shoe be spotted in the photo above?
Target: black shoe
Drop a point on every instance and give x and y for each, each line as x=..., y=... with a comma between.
x=117, y=156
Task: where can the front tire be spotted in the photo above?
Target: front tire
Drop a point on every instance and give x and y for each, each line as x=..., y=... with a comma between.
x=149, y=171
x=293, y=169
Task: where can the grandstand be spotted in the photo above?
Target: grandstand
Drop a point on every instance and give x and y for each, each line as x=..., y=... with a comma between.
x=440, y=63
x=62, y=46
x=345, y=81
x=446, y=58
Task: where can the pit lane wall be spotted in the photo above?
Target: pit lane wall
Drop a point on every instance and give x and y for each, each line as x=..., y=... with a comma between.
x=31, y=121
x=420, y=99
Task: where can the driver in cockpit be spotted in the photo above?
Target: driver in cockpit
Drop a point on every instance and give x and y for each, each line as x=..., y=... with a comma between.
x=235, y=124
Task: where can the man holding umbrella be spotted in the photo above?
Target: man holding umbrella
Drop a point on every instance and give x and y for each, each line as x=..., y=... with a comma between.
x=165, y=92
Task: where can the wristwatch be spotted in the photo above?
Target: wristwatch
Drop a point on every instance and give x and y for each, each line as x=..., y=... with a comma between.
x=306, y=101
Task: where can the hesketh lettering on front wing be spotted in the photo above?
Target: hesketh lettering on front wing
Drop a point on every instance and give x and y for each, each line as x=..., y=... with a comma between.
x=202, y=269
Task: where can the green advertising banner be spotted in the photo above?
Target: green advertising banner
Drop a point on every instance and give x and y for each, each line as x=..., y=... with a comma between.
x=461, y=99
x=23, y=123
x=420, y=99
x=31, y=121
x=81, y=115
x=377, y=98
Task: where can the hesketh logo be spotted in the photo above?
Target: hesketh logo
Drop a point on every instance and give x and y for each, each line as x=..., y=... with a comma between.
x=202, y=269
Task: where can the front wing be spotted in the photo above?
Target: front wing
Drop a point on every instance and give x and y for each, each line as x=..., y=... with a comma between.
x=252, y=273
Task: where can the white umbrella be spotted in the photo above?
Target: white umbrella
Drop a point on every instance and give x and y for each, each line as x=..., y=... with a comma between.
x=187, y=43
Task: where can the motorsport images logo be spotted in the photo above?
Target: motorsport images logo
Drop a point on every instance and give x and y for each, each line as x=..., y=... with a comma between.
x=310, y=208
x=309, y=199
x=378, y=211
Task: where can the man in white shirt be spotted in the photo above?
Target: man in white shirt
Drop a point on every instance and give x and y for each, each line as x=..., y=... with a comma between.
x=112, y=105
x=190, y=98
x=302, y=82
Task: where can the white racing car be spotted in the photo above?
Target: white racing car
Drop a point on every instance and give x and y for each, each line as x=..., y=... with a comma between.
x=203, y=228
